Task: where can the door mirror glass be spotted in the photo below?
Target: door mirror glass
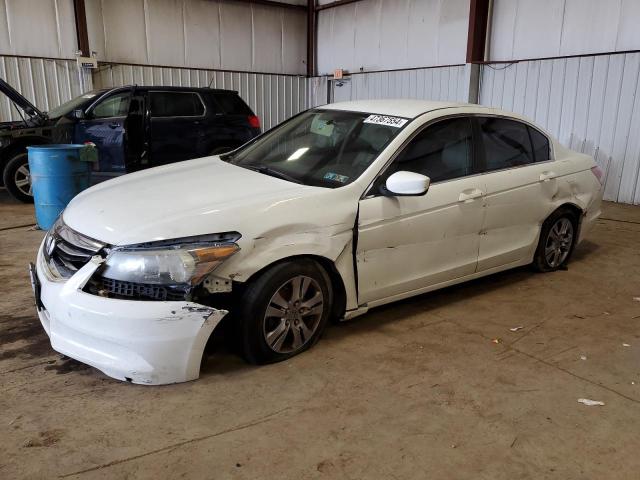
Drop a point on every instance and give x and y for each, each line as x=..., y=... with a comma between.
x=78, y=114
x=408, y=183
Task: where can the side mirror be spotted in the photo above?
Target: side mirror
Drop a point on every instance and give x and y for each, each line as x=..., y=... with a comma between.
x=408, y=183
x=78, y=114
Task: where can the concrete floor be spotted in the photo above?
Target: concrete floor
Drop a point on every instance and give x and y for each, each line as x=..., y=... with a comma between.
x=418, y=389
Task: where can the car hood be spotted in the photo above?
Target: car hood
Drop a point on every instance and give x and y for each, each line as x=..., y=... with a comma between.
x=196, y=197
x=20, y=101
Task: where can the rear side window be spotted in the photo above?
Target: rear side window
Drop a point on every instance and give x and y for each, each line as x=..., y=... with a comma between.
x=506, y=143
x=541, y=149
x=176, y=104
x=441, y=152
x=231, y=104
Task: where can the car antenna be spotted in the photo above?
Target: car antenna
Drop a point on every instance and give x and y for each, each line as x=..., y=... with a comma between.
x=211, y=81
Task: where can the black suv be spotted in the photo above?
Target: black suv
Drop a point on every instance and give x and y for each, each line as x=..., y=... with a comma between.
x=133, y=127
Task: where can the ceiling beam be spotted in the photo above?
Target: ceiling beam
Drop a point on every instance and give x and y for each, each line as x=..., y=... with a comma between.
x=273, y=3
x=82, y=33
x=477, y=37
x=312, y=37
x=337, y=3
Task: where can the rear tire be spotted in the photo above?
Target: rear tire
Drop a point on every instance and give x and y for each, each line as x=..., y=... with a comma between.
x=557, y=240
x=284, y=311
x=17, y=178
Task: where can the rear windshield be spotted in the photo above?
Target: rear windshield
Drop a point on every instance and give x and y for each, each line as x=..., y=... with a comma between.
x=231, y=104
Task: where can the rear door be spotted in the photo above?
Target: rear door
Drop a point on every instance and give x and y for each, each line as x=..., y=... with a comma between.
x=521, y=183
x=105, y=125
x=176, y=126
x=408, y=243
x=233, y=124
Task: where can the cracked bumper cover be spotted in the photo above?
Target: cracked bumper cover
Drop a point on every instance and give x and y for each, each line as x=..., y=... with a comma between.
x=146, y=342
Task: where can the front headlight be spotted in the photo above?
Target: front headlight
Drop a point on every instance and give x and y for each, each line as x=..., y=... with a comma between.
x=170, y=262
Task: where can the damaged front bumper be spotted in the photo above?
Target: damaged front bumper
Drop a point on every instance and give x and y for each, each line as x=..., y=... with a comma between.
x=146, y=342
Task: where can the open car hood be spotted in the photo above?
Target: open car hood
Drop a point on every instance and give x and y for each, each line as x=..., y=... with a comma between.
x=20, y=101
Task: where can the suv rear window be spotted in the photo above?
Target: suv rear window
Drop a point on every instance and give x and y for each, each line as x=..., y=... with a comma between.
x=176, y=104
x=231, y=104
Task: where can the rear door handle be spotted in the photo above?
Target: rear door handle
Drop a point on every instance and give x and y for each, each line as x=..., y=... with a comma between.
x=470, y=195
x=546, y=176
x=114, y=125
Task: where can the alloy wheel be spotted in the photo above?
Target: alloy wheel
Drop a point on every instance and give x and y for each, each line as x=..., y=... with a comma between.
x=22, y=179
x=293, y=314
x=558, y=243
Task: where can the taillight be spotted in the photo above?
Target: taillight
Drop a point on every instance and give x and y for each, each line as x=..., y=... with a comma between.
x=597, y=171
x=254, y=121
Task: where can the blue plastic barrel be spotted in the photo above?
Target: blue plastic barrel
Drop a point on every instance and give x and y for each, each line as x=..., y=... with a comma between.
x=57, y=175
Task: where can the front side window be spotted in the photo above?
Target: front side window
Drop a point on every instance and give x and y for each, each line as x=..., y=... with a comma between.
x=327, y=148
x=175, y=104
x=442, y=151
x=114, y=106
x=506, y=143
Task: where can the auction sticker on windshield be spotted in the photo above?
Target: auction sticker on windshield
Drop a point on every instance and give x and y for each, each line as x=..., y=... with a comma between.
x=396, y=122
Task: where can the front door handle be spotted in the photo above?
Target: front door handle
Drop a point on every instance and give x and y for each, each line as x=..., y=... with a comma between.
x=114, y=125
x=546, y=176
x=470, y=195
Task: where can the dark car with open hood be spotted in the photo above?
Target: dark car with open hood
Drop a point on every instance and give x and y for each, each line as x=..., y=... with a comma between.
x=133, y=127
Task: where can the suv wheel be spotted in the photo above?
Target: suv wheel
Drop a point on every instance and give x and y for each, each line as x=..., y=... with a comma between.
x=17, y=178
x=284, y=311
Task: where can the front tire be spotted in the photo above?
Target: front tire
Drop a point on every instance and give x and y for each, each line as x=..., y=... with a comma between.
x=557, y=240
x=284, y=311
x=17, y=178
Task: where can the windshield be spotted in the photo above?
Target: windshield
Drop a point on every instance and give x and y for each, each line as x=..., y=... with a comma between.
x=72, y=104
x=326, y=148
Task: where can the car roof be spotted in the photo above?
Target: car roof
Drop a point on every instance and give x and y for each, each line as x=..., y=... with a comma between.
x=406, y=108
x=170, y=88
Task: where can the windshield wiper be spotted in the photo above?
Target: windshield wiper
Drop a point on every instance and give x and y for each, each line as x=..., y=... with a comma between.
x=272, y=173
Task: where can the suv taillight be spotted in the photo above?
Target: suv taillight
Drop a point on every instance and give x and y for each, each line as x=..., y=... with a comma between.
x=597, y=171
x=254, y=121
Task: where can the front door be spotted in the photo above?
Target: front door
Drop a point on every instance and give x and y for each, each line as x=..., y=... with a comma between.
x=177, y=130
x=409, y=243
x=105, y=125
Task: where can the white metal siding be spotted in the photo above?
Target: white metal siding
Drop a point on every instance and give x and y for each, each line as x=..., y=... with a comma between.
x=220, y=34
x=591, y=104
x=273, y=98
x=46, y=83
x=385, y=35
x=439, y=83
x=527, y=29
x=37, y=28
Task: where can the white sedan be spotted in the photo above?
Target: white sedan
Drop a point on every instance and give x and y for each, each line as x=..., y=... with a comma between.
x=337, y=210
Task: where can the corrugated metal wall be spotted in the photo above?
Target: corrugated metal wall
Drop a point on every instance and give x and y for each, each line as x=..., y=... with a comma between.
x=392, y=34
x=219, y=34
x=441, y=83
x=591, y=104
x=552, y=28
x=273, y=98
x=46, y=83
x=37, y=28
